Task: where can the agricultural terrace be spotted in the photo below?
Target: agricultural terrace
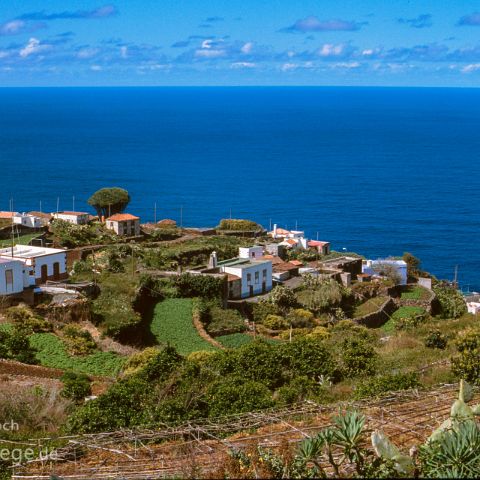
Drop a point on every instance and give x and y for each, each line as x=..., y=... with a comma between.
x=172, y=323
x=370, y=306
x=51, y=352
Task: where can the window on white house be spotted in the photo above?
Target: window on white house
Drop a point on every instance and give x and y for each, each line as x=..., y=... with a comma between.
x=264, y=273
x=249, y=278
x=257, y=277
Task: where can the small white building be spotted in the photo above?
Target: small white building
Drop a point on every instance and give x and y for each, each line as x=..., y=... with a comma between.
x=124, y=224
x=283, y=233
x=251, y=252
x=473, y=307
x=14, y=276
x=45, y=263
x=27, y=220
x=246, y=276
x=374, y=267
x=77, y=218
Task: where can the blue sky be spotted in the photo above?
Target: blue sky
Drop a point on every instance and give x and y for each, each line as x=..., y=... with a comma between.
x=246, y=42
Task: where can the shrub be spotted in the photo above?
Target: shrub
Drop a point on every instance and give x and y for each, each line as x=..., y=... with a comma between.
x=300, y=318
x=78, y=341
x=296, y=391
x=294, y=333
x=15, y=345
x=375, y=386
x=204, y=286
x=76, y=386
x=467, y=363
x=359, y=358
x=238, y=225
x=451, y=301
x=436, y=339
x=238, y=395
x=139, y=360
x=223, y=322
x=108, y=201
x=283, y=298
x=276, y=322
x=23, y=318
x=319, y=333
x=262, y=309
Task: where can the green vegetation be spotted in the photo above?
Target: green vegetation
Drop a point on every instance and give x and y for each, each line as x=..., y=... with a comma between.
x=404, y=312
x=415, y=293
x=238, y=225
x=234, y=340
x=51, y=352
x=172, y=324
x=466, y=362
x=14, y=344
x=370, y=306
x=70, y=235
x=109, y=201
x=451, y=301
x=20, y=240
x=376, y=386
x=76, y=386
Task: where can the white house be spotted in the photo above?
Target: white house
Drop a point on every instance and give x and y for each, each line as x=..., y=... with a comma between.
x=246, y=276
x=77, y=218
x=45, y=263
x=473, y=307
x=374, y=267
x=124, y=224
x=282, y=233
x=14, y=276
x=27, y=220
x=251, y=252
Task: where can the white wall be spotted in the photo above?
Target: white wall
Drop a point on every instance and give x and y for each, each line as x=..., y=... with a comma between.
x=243, y=274
x=251, y=252
x=28, y=221
x=17, y=268
x=75, y=219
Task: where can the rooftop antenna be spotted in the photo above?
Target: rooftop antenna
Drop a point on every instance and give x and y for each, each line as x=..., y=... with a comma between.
x=155, y=213
x=270, y=224
x=58, y=204
x=230, y=213
x=40, y=207
x=296, y=225
x=73, y=203
x=455, y=276
x=317, y=236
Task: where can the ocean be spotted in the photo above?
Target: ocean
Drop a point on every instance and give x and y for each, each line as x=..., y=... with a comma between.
x=378, y=171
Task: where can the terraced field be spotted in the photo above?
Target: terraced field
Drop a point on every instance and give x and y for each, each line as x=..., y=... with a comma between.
x=172, y=323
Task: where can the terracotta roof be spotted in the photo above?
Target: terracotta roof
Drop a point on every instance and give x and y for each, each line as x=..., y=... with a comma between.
x=316, y=243
x=298, y=263
x=282, y=231
x=7, y=214
x=40, y=214
x=121, y=217
x=284, y=267
x=291, y=241
x=232, y=278
x=273, y=258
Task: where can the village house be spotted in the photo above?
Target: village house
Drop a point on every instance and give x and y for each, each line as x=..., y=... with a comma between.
x=77, y=218
x=283, y=233
x=124, y=224
x=344, y=264
x=14, y=276
x=45, y=263
x=323, y=248
x=247, y=276
x=29, y=221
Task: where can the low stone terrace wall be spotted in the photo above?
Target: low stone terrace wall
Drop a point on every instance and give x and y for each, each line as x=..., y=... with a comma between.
x=380, y=317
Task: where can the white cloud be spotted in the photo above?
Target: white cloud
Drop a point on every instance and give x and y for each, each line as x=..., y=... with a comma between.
x=331, y=50
x=247, y=48
x=96, y=68
x=13, y=27
x=240, y=65
x=33, y=46
x=210, y=53
x=473, y=67
x=347, y=65
x=124, y=51
x=87, y=52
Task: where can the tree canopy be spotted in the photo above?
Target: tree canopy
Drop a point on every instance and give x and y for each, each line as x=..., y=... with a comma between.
x=108, y=201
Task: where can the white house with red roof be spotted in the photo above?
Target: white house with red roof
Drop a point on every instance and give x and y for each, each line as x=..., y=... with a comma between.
x=77, y=218
x=14, y=276
x=124, y=224
x=323, y=248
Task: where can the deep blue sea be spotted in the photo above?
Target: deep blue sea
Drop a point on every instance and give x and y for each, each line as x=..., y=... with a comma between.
x=376, y=171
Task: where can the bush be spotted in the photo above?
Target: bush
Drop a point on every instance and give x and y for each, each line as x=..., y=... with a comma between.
x=296, y=391
x=238, y=395
x=359, y=358
x=283, y=298
x=262, y=309
x=15, y=345
x=375, y=386
x=238, y=225
x=451, y=301
x=294, y=333
x=300, y=318
x=276, y=322
x=223, y=322
x=76, y=386
x=436, y=339
x=78, y=341
x=204, y=286
x=24, y=319
x=319, y=333
x=139, y=360
x=466, y=364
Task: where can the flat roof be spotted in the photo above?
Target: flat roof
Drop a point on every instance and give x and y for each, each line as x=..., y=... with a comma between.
x=242, y=262
x=27, y=251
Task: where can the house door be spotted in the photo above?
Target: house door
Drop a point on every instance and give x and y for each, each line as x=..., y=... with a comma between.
x=56, y=271
x=44, y=273
x=264, y=287
x=251, y=290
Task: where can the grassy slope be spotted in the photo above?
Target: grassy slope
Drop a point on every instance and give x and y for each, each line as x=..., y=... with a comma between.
x=234, y=340
x=21, y=240
x=370, y=306
x=172, y=323
x=52, y=353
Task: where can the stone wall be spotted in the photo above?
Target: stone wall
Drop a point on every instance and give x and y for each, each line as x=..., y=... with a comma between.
x=378, y=318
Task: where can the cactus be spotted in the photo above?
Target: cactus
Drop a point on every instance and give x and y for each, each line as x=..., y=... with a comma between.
x=387, y=450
